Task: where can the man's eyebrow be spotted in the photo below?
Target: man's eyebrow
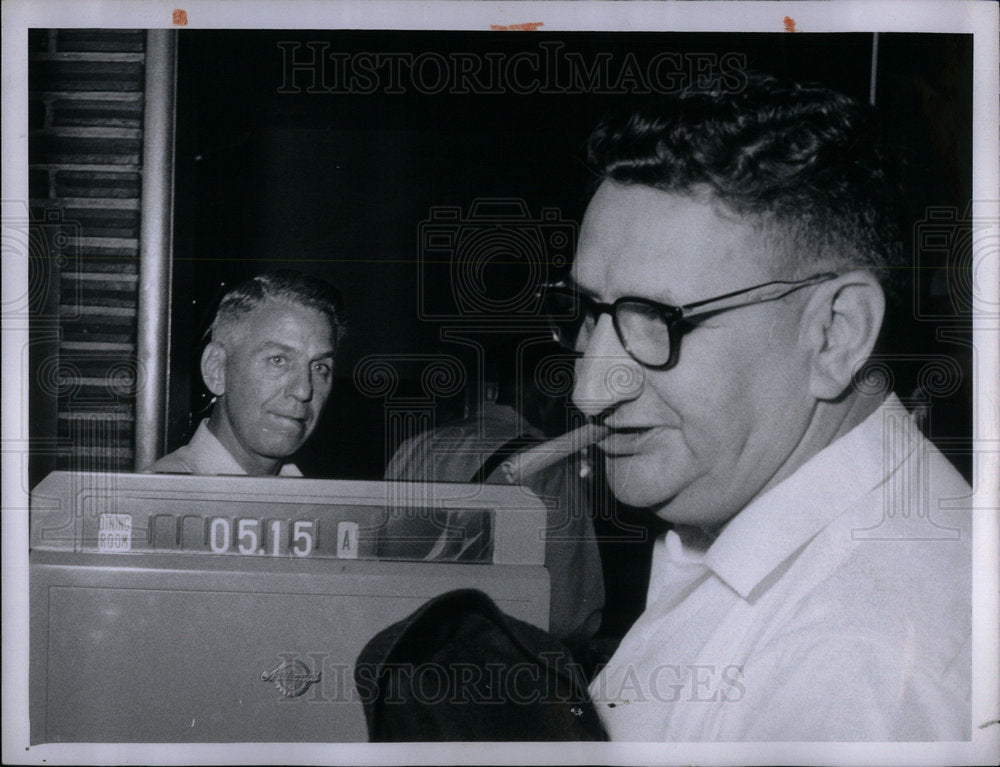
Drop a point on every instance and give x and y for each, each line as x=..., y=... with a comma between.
x=278, y=346
x=268, y=344
x=594, y=296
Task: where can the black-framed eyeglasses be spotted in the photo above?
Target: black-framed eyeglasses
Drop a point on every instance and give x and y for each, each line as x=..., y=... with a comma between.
x=648, y=330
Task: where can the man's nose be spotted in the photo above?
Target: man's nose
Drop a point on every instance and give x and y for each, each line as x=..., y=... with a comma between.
x=606, y=375
x=300, y=384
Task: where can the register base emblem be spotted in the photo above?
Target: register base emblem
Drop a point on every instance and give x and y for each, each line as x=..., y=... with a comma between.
x=292, y=678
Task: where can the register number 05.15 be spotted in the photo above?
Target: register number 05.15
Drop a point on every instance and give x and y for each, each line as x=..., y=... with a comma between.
x=271, y=538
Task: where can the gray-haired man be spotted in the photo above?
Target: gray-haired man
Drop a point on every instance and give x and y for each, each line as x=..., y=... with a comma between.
x=270, y=366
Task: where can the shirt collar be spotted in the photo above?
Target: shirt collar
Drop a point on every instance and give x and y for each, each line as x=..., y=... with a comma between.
x=779, y=523
x=211, y=456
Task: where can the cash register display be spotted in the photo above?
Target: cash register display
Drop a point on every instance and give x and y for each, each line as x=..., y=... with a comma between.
x=137, y=519
x=310, y=530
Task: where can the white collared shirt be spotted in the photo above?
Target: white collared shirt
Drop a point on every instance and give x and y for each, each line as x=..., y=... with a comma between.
x=836, y=606
x=204, y=454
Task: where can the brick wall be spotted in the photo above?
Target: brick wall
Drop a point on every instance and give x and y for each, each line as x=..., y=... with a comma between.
x=85, y=164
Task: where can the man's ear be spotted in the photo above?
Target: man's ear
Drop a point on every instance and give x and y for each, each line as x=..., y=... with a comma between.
x=842, y=323
x=213, y=368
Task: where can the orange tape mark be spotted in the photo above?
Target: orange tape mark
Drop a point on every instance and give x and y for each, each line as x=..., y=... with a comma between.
x=789, y=24
x=529, y=26
x=180, y=17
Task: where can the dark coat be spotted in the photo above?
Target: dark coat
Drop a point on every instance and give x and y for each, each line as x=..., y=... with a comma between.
x=459, y=669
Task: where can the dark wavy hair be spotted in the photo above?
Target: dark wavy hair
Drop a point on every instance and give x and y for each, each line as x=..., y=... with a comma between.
x=807, y=165
x=285, y=285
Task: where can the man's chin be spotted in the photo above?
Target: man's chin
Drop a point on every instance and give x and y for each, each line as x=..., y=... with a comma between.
x=280, y=450
x=639, y=486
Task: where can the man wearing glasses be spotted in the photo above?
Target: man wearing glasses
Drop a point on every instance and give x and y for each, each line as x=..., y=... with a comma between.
x=733, y=271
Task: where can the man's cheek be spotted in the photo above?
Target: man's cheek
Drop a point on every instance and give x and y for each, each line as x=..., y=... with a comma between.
x=323, y=394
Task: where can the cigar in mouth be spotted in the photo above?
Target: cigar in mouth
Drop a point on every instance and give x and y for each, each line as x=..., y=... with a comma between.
x=518, y=468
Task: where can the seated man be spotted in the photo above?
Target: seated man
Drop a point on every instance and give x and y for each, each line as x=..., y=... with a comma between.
x=471, y=450
x=730, y=283
x=270, y=366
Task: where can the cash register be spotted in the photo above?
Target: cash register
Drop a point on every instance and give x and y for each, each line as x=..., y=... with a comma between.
x=169, y=608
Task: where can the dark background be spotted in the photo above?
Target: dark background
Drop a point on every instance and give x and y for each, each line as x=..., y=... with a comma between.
x=355, y=187
x=384, y=194
x=338, y=184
